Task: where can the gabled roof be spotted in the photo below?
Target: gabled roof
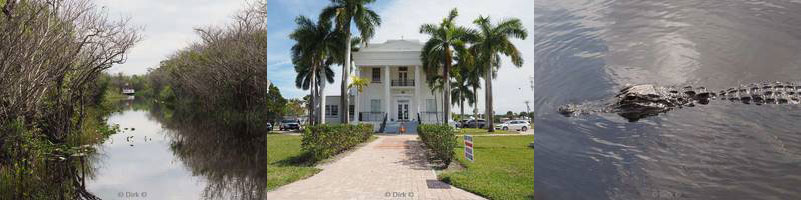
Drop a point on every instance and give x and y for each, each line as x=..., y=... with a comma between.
x=393, y=45
x=391, y=52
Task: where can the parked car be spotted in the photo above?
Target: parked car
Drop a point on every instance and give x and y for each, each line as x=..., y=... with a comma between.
x=269, y=126
x=475, y=123
x=453, y=124
x=518, y=125
x=289, y=124
x=463, y=122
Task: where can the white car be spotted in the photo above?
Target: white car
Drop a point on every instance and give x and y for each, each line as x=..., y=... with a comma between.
x=453, y=124
x=519, y=125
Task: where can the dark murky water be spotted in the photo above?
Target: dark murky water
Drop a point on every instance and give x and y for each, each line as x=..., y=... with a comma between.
x=170, y=155
x=587, y=50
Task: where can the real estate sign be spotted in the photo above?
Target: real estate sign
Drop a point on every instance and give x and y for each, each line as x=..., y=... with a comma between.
x=468, y=147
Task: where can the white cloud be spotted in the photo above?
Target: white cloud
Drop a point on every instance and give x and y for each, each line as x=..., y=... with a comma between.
x=168, y=26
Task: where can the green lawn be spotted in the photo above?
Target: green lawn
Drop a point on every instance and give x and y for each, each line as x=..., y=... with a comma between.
x=503, y=168
x=285, y=161
x=476, y=131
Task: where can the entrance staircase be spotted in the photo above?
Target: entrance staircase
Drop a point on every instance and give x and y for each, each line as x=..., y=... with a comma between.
x=394, y=127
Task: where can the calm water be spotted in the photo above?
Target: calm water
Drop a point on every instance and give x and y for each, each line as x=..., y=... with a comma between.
x=165, y=155
x=587, y=50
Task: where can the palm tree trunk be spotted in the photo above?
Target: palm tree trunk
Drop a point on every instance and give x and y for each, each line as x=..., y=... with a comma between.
x=446, y=86
x=461, y=104
x=488, y=97
x=345, y=74
x=475, y=103
x=312, y=106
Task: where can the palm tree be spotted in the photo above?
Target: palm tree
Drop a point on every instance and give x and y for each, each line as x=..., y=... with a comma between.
x=435, y=83
x=343, y=12
x=473, y=78
x=494, y=40
x=313, y=54
x=438, y=51
x=460, y=90
x=358, y=83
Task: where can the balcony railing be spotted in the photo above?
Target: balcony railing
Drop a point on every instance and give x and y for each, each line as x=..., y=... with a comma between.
x=403, y=82
x=371, y=116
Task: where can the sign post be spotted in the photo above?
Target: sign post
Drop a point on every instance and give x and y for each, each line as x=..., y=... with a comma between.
x=468, y=147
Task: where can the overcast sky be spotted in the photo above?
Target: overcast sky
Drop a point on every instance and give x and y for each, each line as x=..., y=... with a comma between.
x=168, y=25
x=402, y=18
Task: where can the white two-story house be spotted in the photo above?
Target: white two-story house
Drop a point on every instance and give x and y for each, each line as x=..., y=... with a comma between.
x=397, y=88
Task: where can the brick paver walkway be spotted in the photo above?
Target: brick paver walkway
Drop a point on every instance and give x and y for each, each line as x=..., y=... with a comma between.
x=391, y=167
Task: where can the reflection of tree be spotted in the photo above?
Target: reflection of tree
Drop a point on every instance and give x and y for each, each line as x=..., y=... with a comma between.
x=232, y=159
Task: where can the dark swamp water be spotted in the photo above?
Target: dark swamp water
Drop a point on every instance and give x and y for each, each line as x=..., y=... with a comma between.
x=173, y=155
x=588, y=50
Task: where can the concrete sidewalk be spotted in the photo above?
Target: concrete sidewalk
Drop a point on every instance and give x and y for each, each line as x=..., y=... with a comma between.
x=391, y=167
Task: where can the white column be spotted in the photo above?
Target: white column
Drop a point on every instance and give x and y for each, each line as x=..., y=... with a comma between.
x=356, y=95
x=417, y=85
x=322, y=103
x=387, y=98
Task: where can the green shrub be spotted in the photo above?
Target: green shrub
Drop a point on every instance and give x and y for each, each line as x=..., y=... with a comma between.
x=441, y=139
x=324, y=141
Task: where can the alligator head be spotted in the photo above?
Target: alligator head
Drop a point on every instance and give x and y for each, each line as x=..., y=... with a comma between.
x=635, y=102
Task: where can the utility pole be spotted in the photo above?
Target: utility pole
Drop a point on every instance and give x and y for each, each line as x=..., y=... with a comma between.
x=528, y=111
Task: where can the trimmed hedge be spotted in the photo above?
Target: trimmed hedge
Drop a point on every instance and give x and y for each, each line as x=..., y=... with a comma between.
x=441, y=139
x=326, y=140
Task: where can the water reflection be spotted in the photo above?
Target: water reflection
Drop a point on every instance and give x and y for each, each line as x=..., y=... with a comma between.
x=169, y=154
x=587, y=51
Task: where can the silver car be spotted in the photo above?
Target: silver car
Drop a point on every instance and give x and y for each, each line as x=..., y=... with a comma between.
x=518, y=125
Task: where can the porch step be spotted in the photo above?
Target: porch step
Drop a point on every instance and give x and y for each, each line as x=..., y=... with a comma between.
x=394, y=127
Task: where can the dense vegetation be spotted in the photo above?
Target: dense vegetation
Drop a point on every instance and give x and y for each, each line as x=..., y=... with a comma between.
x=52, y=90
x=441, y=139
x=223, y=73
x=325, y=140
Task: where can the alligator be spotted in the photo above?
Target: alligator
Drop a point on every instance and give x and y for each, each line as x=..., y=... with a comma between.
x=635, y=102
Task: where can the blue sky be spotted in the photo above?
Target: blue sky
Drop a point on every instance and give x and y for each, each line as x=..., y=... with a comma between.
x=402, y=18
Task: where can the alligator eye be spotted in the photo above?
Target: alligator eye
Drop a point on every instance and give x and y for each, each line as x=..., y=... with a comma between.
x=691, y=93
x=674, y=91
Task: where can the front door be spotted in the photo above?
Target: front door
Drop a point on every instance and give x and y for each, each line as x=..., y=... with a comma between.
x=403, y=110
